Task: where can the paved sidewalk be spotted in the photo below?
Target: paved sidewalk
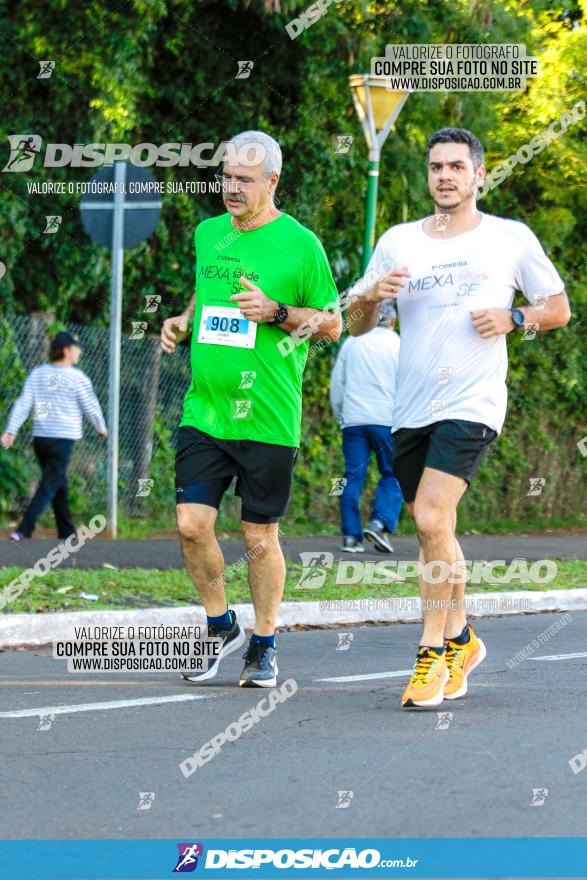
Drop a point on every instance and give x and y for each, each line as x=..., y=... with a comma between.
x=164, y=553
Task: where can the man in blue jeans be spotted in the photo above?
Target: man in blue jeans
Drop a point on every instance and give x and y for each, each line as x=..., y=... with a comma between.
x=362, y=392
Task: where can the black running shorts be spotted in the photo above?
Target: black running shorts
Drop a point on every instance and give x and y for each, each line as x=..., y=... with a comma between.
x=206, y=466
x=453, y=446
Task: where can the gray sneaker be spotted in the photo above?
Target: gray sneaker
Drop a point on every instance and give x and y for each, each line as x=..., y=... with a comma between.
x=260, y=666
x=378, y=535
x=232, y=639
x=351, y=545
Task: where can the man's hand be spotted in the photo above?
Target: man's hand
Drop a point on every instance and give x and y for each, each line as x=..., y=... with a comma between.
x=103, y=435
x=173, y=331
x=389, y=286
x=6, y=440
x=253, y=303
x=492, y=322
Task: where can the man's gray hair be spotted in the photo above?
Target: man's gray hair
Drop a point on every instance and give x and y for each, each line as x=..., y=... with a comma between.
x=264, y=145
x=387, y=312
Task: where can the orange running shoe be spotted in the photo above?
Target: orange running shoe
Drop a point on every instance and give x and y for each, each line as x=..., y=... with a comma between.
x=426, y=686
x=461, y=660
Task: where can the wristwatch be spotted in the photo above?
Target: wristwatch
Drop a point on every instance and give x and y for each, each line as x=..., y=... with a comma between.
x=518, y=318
x=281, y=314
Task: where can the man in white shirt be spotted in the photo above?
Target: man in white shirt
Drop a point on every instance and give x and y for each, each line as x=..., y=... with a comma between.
x=362, y=392
x=454, y=278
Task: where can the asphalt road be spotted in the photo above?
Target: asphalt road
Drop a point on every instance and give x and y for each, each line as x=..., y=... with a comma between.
x=164, y=553
x=516, y=731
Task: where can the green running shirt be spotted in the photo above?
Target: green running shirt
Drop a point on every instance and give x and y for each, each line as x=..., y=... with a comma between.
x=252, y=393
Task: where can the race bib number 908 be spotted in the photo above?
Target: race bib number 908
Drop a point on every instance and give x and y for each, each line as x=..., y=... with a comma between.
x=226, y=326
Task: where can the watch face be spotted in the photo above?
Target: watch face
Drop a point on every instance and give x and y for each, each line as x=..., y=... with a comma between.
x=281, y=314
x=517, y=317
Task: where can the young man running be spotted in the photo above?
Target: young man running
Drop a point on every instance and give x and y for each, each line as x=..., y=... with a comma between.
x=260, y=275
x=456, y=275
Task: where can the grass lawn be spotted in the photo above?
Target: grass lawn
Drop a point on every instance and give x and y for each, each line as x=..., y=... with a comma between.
x=148, y=588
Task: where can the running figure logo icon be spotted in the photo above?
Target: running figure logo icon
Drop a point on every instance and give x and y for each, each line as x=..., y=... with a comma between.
x=23, y=151
x=188, y=857
x=244, y=69
x=46, y=68
x=344, y=641
x=344, y=800
x=315, y=566
x=539, y=795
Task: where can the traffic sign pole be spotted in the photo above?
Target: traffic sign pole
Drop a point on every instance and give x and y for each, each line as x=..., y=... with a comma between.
x=115, y=338
x=106, y=221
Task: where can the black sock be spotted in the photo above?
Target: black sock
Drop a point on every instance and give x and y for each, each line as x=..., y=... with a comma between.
x=464, y=637
x=436, y=650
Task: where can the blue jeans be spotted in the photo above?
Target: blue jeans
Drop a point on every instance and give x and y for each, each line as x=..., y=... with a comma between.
x=358, y=442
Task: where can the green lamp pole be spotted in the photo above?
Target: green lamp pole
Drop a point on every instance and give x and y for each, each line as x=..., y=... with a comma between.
x=377, y=108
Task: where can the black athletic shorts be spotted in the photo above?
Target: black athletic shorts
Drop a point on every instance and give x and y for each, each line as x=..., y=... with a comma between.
x=206, y=466
x=453, y=446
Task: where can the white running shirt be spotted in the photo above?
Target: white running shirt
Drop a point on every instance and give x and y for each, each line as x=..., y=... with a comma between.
x=446, y=370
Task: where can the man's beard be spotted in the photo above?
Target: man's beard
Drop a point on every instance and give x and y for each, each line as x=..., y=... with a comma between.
x=470, y=194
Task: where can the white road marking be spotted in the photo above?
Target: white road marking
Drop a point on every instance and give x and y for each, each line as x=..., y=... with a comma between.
x=369, y=676
x=559, y=656
x=111, y=704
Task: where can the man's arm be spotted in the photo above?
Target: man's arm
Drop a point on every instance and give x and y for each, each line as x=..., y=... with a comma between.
x=364, y=309
x=307, y=323
x=175, y=330
x=545, y=314
x=18, y=414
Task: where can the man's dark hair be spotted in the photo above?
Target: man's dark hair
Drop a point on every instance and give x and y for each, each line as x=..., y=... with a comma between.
x=457, y=136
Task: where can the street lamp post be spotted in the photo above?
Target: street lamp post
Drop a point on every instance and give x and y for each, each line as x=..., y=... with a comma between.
x=377, y=108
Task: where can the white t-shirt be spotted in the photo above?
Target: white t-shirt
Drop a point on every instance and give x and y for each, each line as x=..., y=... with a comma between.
x=446, y=370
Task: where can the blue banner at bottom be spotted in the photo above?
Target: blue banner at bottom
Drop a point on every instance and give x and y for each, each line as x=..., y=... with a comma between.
x=367, y=858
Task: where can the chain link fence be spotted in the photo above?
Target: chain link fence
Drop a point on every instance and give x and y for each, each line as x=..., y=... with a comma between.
x=152, y=389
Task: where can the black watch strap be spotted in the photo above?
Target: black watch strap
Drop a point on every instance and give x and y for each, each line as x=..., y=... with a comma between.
x=281, y=314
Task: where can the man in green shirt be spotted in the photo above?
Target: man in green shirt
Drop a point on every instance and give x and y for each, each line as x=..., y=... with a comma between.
x=260, y=276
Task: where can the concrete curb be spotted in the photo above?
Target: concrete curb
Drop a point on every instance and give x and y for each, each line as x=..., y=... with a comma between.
x=35, y=630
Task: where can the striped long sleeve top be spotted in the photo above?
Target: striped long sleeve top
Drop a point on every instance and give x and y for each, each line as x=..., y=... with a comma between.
x=58, y=397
